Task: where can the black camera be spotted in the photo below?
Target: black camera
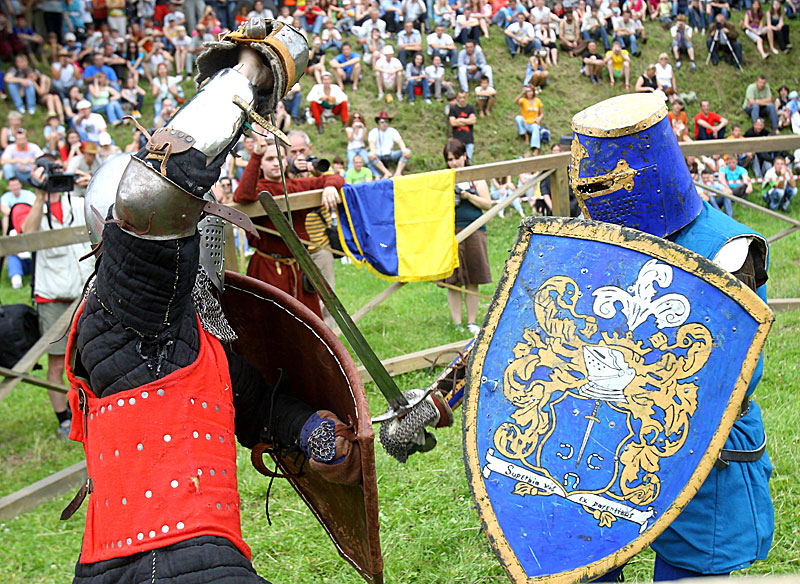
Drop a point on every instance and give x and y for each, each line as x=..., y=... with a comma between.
x=459, y=190
x=320, y=165
x=55, y=180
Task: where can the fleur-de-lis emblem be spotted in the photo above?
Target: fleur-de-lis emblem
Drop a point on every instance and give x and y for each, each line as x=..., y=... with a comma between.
x=638, y=302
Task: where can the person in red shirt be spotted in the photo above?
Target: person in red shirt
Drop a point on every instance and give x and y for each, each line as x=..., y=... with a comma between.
x=311, y=16
x=273, y=262
x=709, y=125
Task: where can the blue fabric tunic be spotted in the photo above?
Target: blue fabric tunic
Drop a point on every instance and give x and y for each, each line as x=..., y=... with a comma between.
x=730, y=522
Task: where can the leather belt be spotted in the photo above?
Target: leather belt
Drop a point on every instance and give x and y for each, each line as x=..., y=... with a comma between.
x=728, y=456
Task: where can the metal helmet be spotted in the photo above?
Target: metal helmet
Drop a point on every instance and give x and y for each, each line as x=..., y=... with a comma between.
x=627, y=167
x=284, y=47
x=101, y=193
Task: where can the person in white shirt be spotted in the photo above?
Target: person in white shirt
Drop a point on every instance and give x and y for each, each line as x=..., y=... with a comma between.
x=625, y=32
x=682, y=41
x=364, y=32
x=520, y=36
x=88, y=124
x=259, y=11
x=327, y=96
x=409, y=42
x=20, y=264
x=389, y=73
x=540, y=14
x=435, y=73
x=468, y=27
x=331, y=38
x=442, y=44
x=780, y=186
x=382, y=141
x=665, y=76
x=19, y=157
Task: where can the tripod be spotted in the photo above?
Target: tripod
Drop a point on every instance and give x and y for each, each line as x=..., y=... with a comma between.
x=719, y=38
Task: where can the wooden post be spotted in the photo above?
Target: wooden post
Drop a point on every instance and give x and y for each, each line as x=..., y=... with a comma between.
x=559, y=192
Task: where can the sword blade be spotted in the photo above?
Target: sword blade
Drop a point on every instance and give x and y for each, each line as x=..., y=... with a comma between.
x=592, y=420
x=369, y=359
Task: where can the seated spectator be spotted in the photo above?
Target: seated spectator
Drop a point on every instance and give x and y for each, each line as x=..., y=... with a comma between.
x=625, y=32
x=444, y=14
x=259, y=11
x=106, y=147
x=780, y=30
x=132, y=98
x=409, y=43
x=392, y=13
x=721, y=40
x=680, y=123
x=105, y=99
x=720, y=203
x=758, y=102
x=529, y=119
x=358, y=173
x=782, y=106
x=54, y=134
x=10, y=45
x=536, y=72
x=647, y=82
x=327, y=96
x=389, y=74
x=462, y=119
x=84, y=167
x=98, y=65
x=780, y=186
x=715, y=7
x=520, y=37
x=316, y=59
x=638, y=10
x=21, y=86
x=755, y=28
x=157, y=56
x=664, y=13
x=88, y=124
x=714, y=163
x=182, y=43
x=9, y=133
x=792, y=8
x=373, y=22
x=759, y=162
x=709, y=125
x=618, y=62
x=311, y=16
x=163, y=86
x=472, y=65
x=541, y=15
x=417, y=77
x=347, y=67
x=468, y=27
x=167, y=110
x=736, y=178
x=19, y=158
x=200, y=37
x=346, y=16
x=435, y=73
x=386, y=146
x=593, y=27
x=17, y=265
x=570, y=35
x=547, y=37
x=330, y=37
x=666, y=76
x=373, y=52
x=682, y=41
x=31, y=40
x=484, y=97
x=442, y=44
x=292, y=101
x=736, y=134
x=115, y=61
x=356, y=132
x=64, y=74
x=501, y=188
x=73, y=146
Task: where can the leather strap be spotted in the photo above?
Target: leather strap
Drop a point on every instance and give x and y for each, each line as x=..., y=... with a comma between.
x=727, y=456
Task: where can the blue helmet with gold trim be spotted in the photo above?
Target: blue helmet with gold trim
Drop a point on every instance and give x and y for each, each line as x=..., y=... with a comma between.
x=627, y=167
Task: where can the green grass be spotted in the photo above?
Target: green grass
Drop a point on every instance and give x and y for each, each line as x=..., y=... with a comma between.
x=430, y=531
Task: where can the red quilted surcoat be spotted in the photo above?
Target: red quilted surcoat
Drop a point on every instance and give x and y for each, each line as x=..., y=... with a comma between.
x=161, y=458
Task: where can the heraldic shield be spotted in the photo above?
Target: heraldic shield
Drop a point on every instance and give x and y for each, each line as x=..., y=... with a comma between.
x=609, y=371
x=277, y=332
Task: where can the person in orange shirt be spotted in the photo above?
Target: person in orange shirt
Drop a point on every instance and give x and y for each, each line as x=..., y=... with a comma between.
x=529, y=119
x=680, y=123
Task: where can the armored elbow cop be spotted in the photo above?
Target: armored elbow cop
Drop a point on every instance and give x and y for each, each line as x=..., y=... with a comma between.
x=160, y=193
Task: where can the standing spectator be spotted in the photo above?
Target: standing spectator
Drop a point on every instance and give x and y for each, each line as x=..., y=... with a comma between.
x=416, y=77
x=442, y=44
x=88, y=124
x=435, y=74
x=529, y=119
x=755, y=28
x=326, y=96
x=680, y=123
x=389, y=74
x=718, y=33
x=618, y=62
x=19, y=158
x=84, y=166
x=736, y=178
x=709, y=125
x=484, y=97
x=625, y=32
x=780, y=186
x=382, y=141
x=472, y=65
x=462, y=120
x=682, y=41
x=520, y=37
x=593, y=27
x=758, y=102
x=18, y=265
x=21, y=86
x=780, y=31
x=473, y=199
x=570, y=35
x=409, y=43
x=468, y=27
x=760, y=162
x=105, y=99
x=593, y=63
x=60, y=278
x=347, y=67
x=359, y=173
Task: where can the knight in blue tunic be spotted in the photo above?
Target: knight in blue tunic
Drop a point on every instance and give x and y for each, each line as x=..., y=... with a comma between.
x=627, y=169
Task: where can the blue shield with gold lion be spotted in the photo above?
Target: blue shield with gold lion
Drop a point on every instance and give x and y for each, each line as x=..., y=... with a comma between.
x=610, y=369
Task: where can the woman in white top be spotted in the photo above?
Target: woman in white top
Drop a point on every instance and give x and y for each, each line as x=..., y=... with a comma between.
x=665, y=77
x=356, y=130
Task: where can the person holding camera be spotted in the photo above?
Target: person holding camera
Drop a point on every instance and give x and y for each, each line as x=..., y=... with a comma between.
x=722, y=37
x=682, y=41
x=59, y=273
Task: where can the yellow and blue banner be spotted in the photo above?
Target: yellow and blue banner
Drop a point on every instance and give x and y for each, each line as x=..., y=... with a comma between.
x=401, y=228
